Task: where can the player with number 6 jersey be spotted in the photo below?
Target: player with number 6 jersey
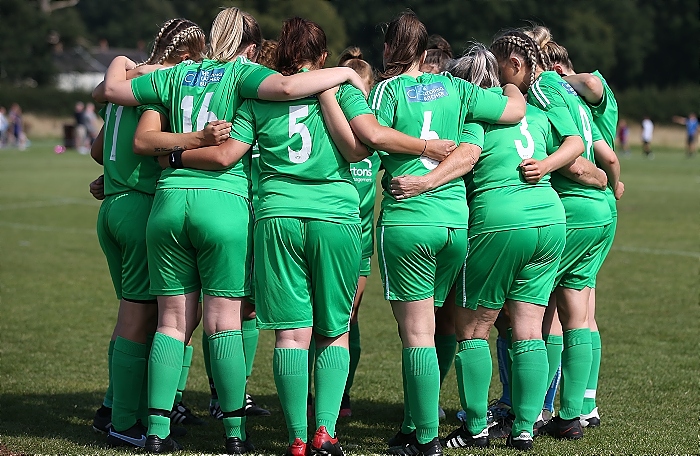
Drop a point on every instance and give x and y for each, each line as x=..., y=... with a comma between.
x=422, y=241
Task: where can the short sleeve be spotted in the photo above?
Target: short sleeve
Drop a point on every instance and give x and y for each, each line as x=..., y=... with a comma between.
x=598, y=109
x=152, y=87
x=473, y=133
x=253, y=75
x=597, y=135
x=243, y=128
x=482, y=104
x=102, y=112
x=553, y=139
x=561, y=120
x=153, y=107
x=352, y=102
x=383, y=103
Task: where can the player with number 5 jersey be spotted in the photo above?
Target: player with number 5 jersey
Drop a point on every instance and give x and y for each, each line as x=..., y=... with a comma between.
x=212, y=254
x=422, y=241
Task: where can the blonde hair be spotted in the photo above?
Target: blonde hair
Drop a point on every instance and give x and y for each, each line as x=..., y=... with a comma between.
x=177, y=36
x=352, y=58
x=518, y=42
x=555, y=52
x=478, y=65
x=231, y=32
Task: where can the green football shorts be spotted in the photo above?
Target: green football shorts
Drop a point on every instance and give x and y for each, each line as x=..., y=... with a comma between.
x=306, y=274
x=582, y=257
x=419, y=262
x=606, y=249
x=121, y=230
x=200, y=239
x=519, y=264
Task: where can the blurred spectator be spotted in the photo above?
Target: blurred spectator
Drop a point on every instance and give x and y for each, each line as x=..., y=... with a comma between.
x=647, y=135
x=622, y=133
x=16, y=127
x=91, y=123
x=691, y=127
x=80, y=128
x=4, y=125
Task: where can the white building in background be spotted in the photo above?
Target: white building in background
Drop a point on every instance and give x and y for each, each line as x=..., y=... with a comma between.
x=81, y=69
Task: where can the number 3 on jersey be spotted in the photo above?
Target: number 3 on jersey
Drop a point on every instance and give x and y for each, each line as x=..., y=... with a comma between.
x=526, y=150
x=426, y=133
x=303, y=154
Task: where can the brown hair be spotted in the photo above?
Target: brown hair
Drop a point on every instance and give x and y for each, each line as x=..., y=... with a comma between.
x=300, y=42
x=232, y=31
x=406, y=39
x=177, y=36
x=555, y=52
x=439, y=53
x=352, y=58
x=268, y=54
x=515, y=41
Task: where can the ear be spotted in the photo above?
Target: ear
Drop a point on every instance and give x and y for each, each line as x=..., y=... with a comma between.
x=516, y=63
x=250, y=52
x=422, y=58
x=558, y=68
x=322, y=60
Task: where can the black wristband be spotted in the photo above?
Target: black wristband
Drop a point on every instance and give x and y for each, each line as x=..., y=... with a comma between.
x=175, y=159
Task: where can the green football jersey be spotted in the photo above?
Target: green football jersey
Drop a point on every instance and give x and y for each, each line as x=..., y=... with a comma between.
x=196, y=94
x=431, y=106
x=123, y=169
x=254, y=173
x=302, y=173
x=498, y=196
x=570, y=116
x=365, y=175
x=605, y=116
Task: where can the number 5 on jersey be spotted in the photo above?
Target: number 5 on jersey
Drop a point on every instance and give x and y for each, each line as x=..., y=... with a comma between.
x=303, y=154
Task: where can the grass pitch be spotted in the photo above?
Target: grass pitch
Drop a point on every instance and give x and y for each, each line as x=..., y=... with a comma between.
x=58, y=310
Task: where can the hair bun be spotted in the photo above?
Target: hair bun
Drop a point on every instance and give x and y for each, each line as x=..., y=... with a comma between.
x=441, y=44
x=541, y=34
x=352, y=52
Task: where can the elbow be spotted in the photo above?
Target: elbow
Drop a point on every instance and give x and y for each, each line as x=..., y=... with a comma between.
x=140, y=146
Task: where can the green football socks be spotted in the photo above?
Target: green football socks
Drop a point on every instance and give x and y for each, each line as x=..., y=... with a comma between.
x=330, y=375
x=107, y=402
x=553, y=345
x=164, y=366
x=575, y=369
x=355, y=351
x=228, y=371
x=186, y=363
x=129, y=362
x=529, y=383
x=251, y=333
x=589, y=398
x=473, y=366
x=423, y=385
x=445, y=346
x=291, y=372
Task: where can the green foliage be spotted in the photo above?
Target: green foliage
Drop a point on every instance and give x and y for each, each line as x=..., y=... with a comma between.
x=24, y=49
x=59, y=309
x=659, y=104
x=44, y=100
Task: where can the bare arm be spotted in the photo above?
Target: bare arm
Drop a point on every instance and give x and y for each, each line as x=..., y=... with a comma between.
x=534, y=170
x=608, y=162
x=378, y=137
x=349, y=146
x=117, y=88
x=150, y=139
x=515, y=107
x=459, y=163
x=97, y=149
x=588, y=86
x=213, y=158
x=279, y=88
x=585, y=173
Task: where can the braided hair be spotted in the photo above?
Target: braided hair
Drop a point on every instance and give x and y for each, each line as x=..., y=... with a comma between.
x=177, y=35
x=555, y=52
x=515, y=41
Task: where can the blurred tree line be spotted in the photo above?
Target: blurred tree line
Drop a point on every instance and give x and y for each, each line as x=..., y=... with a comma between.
x=635, y=43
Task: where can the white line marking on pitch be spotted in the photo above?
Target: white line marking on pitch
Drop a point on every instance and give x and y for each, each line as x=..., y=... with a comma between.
x=49, y=203
x=48, y=229
x=657, y=251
